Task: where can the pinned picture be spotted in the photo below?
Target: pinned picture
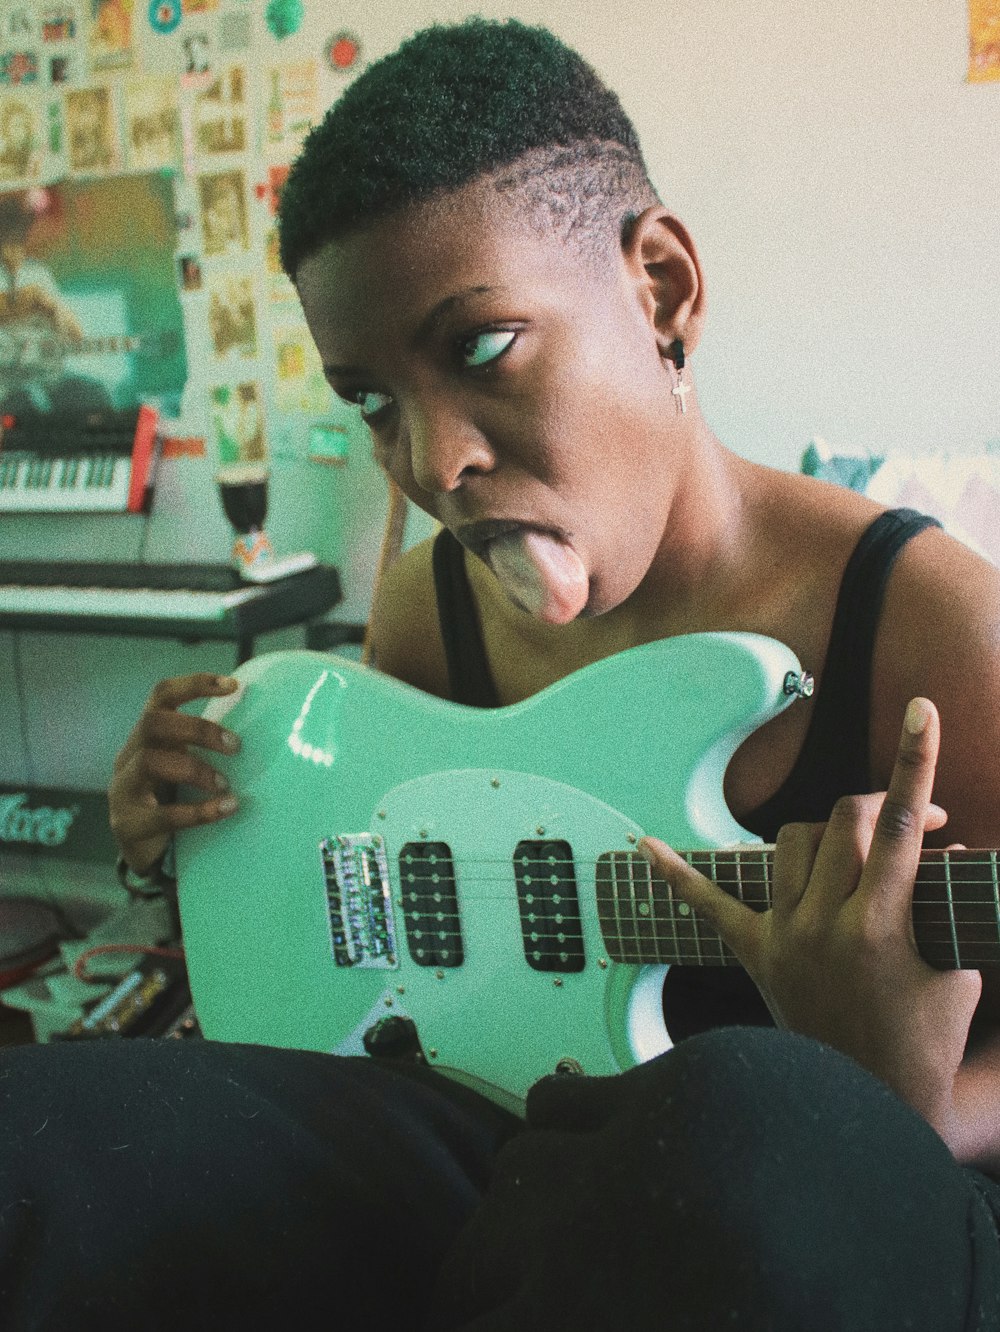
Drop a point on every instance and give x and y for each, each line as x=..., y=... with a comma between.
x=292, y=106
x=152, y=122
x=232, y=318
x=62, y=69
x=19, y=23
x=238, y=423
x=20, y=139
x=301, y=386
x=109, y=36
x=92, y=131
x=190, y=270
x=984, y=41
x=18, y=67
x=279, y=285
x=220, y=114
x=222, y=198
x=59, y=23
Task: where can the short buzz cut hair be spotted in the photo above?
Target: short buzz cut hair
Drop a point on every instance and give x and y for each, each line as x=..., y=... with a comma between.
x=456, y=104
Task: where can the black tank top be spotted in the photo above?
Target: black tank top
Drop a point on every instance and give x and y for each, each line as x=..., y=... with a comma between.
x=833, y=760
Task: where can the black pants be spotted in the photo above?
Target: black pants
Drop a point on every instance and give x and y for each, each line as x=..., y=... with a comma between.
x=748, y=1179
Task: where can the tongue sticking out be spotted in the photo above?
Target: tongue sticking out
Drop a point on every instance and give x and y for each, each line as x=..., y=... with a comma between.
x=541, y=574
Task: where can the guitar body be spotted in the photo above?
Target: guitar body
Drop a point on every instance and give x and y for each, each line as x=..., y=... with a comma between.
x=396, y=855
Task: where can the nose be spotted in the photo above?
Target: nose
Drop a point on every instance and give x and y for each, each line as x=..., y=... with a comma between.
x=446, y=448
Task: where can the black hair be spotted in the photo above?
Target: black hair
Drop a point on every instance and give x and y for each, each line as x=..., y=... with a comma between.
x=455, y=104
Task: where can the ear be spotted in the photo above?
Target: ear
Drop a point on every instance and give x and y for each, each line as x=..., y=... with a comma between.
x=662, y=262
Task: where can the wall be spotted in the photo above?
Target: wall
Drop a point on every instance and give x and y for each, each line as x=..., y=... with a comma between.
x=835, y=168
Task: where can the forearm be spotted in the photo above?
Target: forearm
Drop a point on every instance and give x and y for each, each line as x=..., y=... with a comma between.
x=974, y=1137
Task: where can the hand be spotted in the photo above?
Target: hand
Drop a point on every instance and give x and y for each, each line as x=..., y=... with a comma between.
x=834, y=957
x=156, y=757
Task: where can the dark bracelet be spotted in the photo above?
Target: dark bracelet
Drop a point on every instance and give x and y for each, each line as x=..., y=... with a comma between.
x=159, y=878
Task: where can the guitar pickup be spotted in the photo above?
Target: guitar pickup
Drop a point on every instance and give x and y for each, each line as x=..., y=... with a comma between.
x=362, y=931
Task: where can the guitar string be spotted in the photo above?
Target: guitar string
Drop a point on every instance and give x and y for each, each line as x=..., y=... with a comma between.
x=930, y=860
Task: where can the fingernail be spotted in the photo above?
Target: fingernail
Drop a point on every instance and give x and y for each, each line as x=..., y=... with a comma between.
x=917, y=716
x=226, y=682
x=231, y=743
x=648, y=847
x=227, y=805
x=220, y=782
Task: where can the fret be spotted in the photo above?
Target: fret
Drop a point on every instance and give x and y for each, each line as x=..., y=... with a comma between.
x=725, y=869
x=951, y=908
x=714, y=875
x=688, y=939
x=621, y=864
x=701, y=861
x=667, y=910
x=627, y=943
x=649, y=903
x=645, y=911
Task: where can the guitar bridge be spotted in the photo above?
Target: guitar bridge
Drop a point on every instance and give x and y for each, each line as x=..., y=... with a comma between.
x=362, y=932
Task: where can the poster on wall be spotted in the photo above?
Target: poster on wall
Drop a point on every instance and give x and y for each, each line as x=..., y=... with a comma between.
x=86, y=323
x=984, y=41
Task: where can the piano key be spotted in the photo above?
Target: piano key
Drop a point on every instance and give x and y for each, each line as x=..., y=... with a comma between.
x=133, y=603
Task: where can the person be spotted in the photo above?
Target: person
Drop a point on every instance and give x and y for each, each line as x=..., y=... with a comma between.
x=495, y=283
x=37, y=327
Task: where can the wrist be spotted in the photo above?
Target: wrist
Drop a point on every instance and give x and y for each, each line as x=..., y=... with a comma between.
x=158, y=878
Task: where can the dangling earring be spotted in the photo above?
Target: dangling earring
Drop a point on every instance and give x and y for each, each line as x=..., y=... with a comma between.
x=676, y=353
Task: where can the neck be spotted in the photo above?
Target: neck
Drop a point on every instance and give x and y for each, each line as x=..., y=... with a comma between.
x=700, y=566
x=956, y=907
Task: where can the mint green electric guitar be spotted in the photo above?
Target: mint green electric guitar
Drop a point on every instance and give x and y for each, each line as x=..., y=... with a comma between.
x=472, y=872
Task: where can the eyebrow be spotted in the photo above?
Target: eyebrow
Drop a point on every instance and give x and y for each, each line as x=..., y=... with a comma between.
x=425, y=326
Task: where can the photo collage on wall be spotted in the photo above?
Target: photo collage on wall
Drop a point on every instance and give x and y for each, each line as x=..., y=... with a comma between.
x=143, y=147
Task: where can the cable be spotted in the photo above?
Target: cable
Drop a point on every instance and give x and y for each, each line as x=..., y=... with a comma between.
x=148, y=950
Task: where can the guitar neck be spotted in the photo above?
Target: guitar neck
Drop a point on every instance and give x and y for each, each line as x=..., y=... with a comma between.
x=956, y=907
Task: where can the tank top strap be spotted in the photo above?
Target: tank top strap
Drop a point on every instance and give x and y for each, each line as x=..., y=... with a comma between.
x=470, y=679
x=834, y=759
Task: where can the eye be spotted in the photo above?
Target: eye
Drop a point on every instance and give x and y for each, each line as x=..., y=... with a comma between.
x=487, y=347
x=369, y=402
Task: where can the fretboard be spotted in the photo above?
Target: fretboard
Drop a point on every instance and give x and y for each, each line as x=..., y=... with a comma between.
x=956, y=907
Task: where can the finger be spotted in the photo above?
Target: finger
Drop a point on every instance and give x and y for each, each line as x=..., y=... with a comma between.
x=179, y=689
x=177, y=730
x=179, y=816
x=150, y=819
x=169, y=694
x=895, y=850
x=842, y=852
x=174, y=767
x=737, y=924
x=794, y=855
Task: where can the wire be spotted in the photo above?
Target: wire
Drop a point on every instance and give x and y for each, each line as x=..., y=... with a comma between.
x=147, y=950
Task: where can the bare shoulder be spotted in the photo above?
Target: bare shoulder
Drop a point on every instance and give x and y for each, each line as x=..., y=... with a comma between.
x=939, y=636
x=405, y=633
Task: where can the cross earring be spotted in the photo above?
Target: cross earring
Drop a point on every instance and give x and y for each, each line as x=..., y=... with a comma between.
x=676, y=354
